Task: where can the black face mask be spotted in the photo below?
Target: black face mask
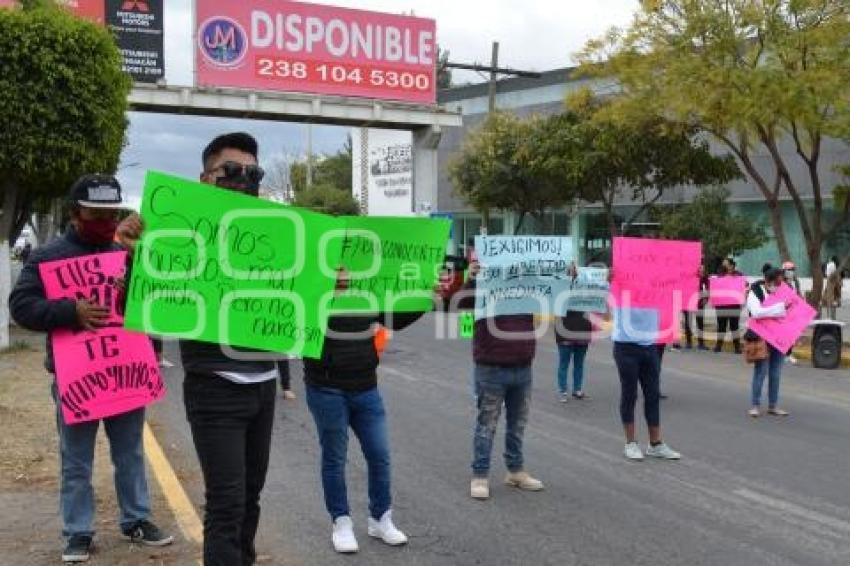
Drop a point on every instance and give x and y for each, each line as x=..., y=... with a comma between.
x=239, y=183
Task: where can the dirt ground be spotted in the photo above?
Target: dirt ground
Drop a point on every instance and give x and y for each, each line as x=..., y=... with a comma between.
x=30, y=527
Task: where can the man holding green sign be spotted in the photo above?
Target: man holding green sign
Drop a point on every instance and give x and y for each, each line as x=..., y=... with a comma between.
x=235, y=277
x=185, y=268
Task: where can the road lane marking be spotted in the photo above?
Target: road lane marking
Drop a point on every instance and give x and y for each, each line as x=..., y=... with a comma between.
x=181, y=507
x=789, y=508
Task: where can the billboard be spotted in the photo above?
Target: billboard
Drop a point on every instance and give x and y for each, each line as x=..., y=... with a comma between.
x=382, y=176
x=90, y=9
x=296, y=46
x=138, y=29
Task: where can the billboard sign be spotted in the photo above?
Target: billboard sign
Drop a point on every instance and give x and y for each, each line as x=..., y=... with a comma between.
x=138, y=29
x=300, y=47
x=382, y=176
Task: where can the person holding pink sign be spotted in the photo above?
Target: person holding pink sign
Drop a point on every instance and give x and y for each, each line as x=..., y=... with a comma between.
x=94, y=203
x=729, y=315
x=770, y=367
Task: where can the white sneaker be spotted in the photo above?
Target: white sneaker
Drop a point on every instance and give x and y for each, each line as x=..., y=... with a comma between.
x=479, y=488
x=633, y=452
x=386, y=530
x=564, y=397
x=343, y=535
x=662, y=451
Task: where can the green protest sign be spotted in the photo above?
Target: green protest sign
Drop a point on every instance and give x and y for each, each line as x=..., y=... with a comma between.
x=218, y=266
x=394, y=263
x=466, y=324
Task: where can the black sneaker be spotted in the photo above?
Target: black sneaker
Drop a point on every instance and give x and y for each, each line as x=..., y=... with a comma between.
x=147, y=533
x=77, y=549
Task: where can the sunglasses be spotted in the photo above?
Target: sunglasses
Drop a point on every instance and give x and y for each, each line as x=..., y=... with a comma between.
x=231, y=169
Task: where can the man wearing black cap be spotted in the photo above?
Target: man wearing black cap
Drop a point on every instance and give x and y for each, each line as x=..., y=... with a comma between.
x=95, y=202
x=229, y=402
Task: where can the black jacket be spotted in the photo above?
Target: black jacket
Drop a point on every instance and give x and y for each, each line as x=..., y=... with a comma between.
x=28, y=303
x=349, y=358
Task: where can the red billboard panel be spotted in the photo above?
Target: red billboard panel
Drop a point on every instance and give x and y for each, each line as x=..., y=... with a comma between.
x=300, y=47
x=89, y=9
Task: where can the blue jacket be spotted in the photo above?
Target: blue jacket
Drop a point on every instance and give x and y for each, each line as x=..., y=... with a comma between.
x=28, y=303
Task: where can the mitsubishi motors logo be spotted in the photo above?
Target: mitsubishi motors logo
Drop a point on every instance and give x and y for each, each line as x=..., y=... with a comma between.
x=136, y=6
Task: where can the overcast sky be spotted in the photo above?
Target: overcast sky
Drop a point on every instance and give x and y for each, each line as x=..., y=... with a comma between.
x=533, y=35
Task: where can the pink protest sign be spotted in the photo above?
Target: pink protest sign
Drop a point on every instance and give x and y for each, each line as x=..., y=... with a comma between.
x=782, y=333
x=660, y=274
x=727, y=290
x=105, y=372
x=317, y=49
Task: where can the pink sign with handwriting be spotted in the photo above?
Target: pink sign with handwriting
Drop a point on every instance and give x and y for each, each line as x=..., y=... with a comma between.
x=782, y=333
x=659, y=274
x=727, y=291
x=108, y=371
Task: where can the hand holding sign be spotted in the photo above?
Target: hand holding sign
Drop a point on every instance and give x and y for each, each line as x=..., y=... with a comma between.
x=91, y=316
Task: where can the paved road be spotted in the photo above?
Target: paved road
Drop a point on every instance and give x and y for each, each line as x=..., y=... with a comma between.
x=764, y=492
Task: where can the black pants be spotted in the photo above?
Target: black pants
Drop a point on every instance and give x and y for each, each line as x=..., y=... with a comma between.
x=638, y=364
x=731, y=319
x=283, y=370
x=689, y=331
x=232, y=427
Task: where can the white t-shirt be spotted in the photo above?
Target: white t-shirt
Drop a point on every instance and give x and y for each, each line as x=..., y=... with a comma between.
x=248, y=378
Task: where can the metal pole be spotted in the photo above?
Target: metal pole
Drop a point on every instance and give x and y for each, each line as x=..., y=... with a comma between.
x=494, y=65
x=309, y=155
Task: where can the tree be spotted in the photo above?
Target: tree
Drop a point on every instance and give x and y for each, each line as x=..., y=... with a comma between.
x=64, y=99
x=707, y=219
x=603, y=158
x=328, y=199
x=501, y=166
x=754, y=75
x=334, y=170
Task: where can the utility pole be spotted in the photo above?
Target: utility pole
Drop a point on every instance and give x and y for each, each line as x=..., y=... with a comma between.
x=309, y=154
x=495, y=71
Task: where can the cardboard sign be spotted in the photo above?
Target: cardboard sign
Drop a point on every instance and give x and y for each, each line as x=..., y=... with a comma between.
x=522, y=274
x=589, y=291
x=782, y=333
x=217, y=266
x=105, y=372
x=466, y=325
x=727, y=291
x=394, y=263
x=657, y=274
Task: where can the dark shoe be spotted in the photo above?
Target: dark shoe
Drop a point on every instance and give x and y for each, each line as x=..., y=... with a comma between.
x=689, y=346
x=662, y=396
x=77, y=549
x=702, y=348
x=147, y=533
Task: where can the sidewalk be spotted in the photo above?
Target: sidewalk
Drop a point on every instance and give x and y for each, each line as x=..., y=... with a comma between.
x=29, y=476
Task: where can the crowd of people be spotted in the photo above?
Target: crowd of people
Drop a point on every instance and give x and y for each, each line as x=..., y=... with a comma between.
x=230, y=403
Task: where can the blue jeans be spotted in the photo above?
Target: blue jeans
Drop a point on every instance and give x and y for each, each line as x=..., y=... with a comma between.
x=495, y=386
x=577, y=353
x=76, y=452
x=334, y=411
x=772, y=369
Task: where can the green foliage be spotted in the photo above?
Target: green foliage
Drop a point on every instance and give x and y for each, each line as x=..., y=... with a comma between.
x=64, y=99
x=333, y=170
x=502, y=166
x=754, y=74
x=327, y=199
x=604, y=159
x=707, y=219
